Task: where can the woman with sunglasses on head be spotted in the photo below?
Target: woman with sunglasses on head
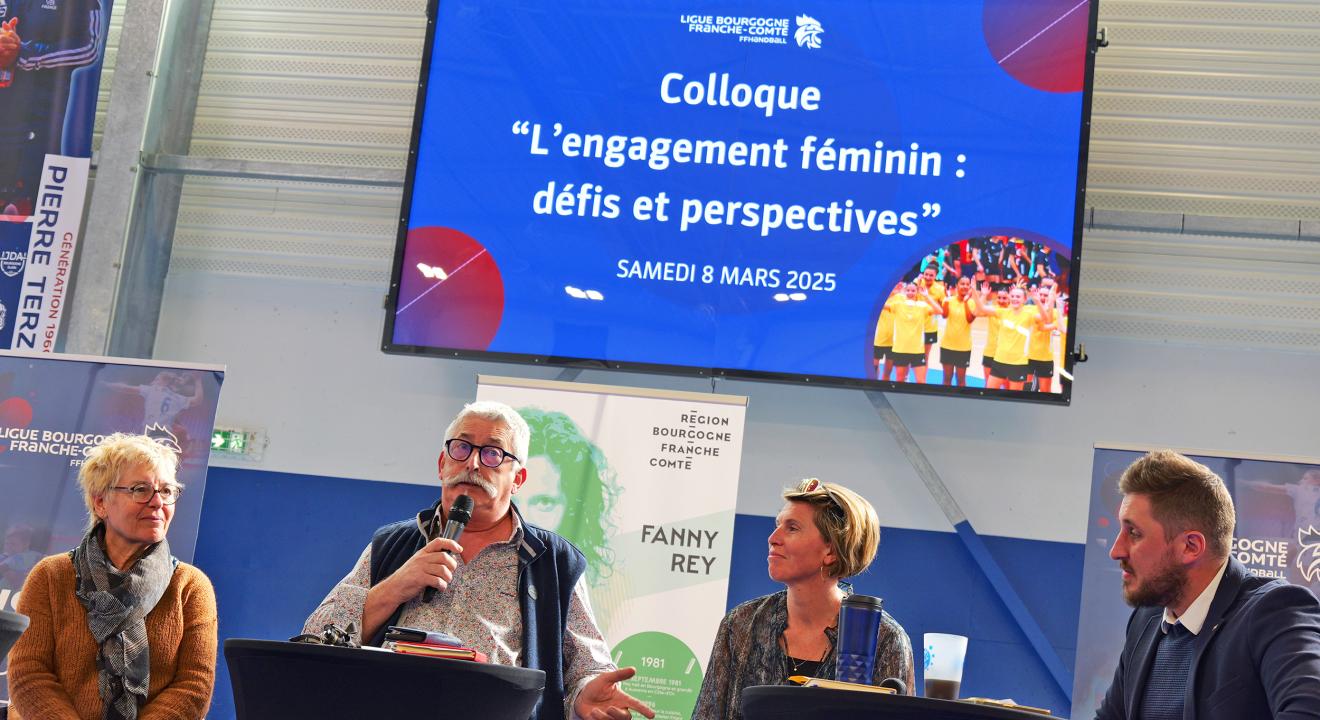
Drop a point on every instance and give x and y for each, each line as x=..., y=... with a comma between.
x=120, y=628
x=825, y=532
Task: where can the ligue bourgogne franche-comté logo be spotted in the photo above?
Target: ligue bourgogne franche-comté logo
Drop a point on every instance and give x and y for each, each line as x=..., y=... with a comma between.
x=808, y=32
x=1308, y=558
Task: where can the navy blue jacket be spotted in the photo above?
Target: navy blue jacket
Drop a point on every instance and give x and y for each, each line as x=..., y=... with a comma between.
x=1257, y=656
x=548, y=568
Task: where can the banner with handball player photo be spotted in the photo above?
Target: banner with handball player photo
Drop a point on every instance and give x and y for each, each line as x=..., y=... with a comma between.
x=1277, y=536
x=645, y=483
x=51, y=53
x=53, y=408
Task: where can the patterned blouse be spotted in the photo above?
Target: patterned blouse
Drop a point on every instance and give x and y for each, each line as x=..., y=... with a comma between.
x=747, y=653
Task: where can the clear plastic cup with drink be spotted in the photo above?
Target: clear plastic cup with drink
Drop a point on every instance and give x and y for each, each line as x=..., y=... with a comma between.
x=944, y=664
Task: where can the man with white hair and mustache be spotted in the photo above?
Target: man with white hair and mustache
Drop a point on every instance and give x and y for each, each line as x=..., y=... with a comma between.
x=509, y=589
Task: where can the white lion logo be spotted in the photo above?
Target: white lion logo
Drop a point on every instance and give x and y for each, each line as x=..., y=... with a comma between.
x=162, y=435
x=1308, y=559
x=808, y=32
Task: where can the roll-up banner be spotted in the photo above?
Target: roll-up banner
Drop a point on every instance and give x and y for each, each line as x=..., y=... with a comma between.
x=50, y=71
x=53, y=408
x=645, y=483
x=1277, y=536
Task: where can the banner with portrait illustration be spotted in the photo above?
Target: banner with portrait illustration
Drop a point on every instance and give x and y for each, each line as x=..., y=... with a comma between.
x=645, y=483
x=53, y=408
x=51, y=53
x=1277, y=536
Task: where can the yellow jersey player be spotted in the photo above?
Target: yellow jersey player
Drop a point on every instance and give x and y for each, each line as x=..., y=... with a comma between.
x=992, y=336
x=910, y=318
x=937, y=291
x=884, y=335
x=1040, y=354
x=956, y=346
x=1015, y=325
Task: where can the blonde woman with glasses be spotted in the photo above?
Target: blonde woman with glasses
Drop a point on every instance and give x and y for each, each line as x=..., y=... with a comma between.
x=824, y=533
x=120, y=628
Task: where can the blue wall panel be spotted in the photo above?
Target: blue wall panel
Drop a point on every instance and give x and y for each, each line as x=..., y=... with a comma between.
x=274, y=543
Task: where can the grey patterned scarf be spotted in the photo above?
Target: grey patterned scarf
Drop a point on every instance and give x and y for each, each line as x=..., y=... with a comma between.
x=117, y=603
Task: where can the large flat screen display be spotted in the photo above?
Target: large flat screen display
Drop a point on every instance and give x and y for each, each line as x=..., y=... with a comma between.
x=885, y=193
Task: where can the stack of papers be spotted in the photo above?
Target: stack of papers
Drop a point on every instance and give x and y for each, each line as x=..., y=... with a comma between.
x=452, y=652
x=1006, y=704
x=838, y=685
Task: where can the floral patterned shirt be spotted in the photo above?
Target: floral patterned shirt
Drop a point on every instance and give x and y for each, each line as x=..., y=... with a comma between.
x=480, y=607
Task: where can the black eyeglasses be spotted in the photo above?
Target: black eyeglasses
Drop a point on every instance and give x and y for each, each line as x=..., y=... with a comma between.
x=142, y=493
x=489, y=455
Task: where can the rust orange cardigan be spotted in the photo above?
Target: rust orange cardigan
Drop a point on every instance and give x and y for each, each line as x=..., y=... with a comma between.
x=52, y=667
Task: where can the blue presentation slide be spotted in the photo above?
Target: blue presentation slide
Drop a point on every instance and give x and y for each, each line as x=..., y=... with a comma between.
x=739, y=188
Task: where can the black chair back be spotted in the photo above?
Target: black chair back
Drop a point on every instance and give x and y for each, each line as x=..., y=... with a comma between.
x=11, y=626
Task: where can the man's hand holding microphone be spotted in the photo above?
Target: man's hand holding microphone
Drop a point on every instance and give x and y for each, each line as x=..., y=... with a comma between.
x=429, y=569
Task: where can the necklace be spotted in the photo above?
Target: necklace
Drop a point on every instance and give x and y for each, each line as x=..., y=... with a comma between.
x=798, y=663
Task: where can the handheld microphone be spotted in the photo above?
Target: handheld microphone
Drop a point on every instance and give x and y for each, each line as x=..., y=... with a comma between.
x=459, y=516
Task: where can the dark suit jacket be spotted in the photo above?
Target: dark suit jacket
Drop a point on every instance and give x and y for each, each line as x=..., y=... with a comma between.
x=1257, y=656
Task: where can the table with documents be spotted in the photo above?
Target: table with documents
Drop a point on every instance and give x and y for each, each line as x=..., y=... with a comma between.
x=280, y=680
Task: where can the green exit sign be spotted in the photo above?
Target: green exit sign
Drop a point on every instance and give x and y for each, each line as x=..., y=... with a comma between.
x=231, y=441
